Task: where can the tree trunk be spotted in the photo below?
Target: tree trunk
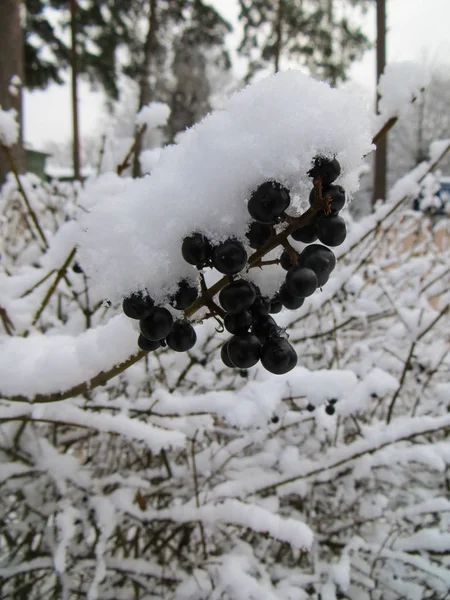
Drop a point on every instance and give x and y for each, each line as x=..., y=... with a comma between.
x=379, y=189
x=145, y=91
x=74, y=69
x=11, y=63
x=278, y=35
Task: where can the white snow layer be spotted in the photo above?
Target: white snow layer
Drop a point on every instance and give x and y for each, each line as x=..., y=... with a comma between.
x=9, y=127
x=268, y=131
x=399, y=84
x=155, y=114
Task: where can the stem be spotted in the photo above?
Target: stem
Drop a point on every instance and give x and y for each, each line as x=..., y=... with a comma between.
x=31, y=212
x=53, y=287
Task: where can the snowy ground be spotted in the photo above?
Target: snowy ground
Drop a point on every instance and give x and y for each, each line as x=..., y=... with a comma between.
x=178, y=477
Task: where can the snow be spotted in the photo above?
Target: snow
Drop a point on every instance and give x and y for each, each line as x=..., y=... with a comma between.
x=50, y=364
x=65, y=522
x=271, y=130
x=153, y=115
x=58, y=172
x=9, y=127
x=400, y=83
x=149, y=159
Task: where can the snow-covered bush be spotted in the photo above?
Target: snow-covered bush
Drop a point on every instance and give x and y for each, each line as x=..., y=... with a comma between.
x=168, y=475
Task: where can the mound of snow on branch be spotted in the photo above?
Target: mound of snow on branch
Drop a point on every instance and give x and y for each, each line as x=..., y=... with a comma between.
x=269, y=131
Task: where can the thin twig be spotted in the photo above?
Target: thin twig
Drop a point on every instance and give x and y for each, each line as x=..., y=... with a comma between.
x=31, y=212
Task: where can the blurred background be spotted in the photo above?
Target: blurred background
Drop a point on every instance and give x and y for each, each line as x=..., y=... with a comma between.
x=77, y=71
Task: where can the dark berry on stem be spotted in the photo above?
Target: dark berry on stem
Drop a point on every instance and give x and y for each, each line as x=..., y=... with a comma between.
x=286, y=261
x=238, y=323
x=237, y=296
x=224, y=356
x=244, y=350
x=186, y=294
x=77, y=268
x=148, y=345
x=275, y=305
x=261, y=306
x=333, y=400
x=306, y=234
x=196, y=249
x=301, y=282
x=258, y=234
x=268, y=202
x=335, y=192
x=265, y=328
x=310, y=407
x=157, y=325
x=278, y=356
x=229, y=257
x=320, y=259
x=137, y=306
x=182, y=336
x=331, y=230
x=329, y=409
x=327, y=169
x=288, y=300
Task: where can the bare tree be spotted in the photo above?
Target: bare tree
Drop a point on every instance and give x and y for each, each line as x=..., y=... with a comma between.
x=11, y=63
x=379, y=190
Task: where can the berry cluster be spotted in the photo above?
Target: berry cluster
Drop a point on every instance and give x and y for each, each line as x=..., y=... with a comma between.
x=245, y=311
x=157, y=325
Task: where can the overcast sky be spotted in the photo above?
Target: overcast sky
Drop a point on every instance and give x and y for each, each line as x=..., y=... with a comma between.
x=419, y=30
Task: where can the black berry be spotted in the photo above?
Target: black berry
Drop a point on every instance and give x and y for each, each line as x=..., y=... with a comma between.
x=320, y=259
x=137, y=305
x=286, y=260
x=301, y=281
x=306, y=234
x=268, y=202
x=288, y=300
x=238, y=323
x=224, y=356
x=182, y=336
x=244, y=351
x=310, y=407
x=264, y=328
x=77, y=268
x=329, y=409
x=261, y=306
x=258, y=234
x=237, y=296
x=335, y=192
x=186, y=294
x=278, y=356
x=147, y=345
x=327, y=169
x=229, y=257
x=275, y=305
x=331, y=230
x=156, y=325
x=196, y=249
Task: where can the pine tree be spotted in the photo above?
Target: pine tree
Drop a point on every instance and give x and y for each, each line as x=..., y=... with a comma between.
x=315, y=33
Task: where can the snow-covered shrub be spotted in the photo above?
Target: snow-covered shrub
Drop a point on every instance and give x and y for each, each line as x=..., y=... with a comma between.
x=166, y=475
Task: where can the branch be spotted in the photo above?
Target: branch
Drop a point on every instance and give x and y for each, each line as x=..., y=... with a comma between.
x=31, y=212
x=60, y=274
x=100, y=379
x=126, y=161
